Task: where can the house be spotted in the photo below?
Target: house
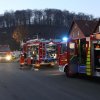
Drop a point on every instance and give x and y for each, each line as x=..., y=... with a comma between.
x=97, y=28
x=83, y=28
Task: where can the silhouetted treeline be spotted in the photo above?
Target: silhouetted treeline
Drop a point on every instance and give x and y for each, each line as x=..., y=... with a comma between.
x=51, y=17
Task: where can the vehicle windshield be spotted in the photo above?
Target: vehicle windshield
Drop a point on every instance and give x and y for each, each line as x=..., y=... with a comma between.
x=2, y=54
x=4, y=48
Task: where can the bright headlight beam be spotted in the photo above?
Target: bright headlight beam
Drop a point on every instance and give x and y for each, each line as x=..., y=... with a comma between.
x=8, y=57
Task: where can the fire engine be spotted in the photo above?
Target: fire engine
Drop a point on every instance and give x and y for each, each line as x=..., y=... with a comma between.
x=39, y=52
x=81, y=57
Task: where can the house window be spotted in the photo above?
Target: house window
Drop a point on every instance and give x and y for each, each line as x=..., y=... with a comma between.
x=75, y=34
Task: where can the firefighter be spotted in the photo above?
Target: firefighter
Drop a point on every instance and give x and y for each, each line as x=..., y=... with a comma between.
x=22, y=59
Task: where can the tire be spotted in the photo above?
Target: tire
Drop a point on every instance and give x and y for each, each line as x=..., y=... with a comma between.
x=66, y=70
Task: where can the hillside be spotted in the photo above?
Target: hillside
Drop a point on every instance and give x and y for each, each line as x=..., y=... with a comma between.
x=43, y=31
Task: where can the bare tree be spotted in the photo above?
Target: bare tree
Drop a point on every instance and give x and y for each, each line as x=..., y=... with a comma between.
x=8, y=19
x=2, y=24
x=37, y=16
x=58, y=17
x=28, y=16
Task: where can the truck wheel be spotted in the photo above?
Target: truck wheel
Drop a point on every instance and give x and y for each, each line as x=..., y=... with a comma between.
x=67, y=72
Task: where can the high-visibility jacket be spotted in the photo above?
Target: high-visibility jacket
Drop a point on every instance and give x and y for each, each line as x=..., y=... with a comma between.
x=22, y=59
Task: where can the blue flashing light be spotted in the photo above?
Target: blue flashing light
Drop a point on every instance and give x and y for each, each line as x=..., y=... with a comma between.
x=65, y=39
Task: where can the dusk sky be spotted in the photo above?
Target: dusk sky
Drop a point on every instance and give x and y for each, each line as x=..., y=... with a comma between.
x=85, y=6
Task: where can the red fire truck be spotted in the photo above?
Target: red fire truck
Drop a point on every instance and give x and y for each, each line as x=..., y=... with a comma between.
x=39, y=52
x=81, y=57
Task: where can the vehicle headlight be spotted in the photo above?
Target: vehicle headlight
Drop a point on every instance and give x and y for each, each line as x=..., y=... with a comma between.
x=31, y=57
x=8, y=57
x=33, y=52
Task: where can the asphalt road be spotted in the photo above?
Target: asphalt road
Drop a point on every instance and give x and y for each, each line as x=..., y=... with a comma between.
x=44, y=84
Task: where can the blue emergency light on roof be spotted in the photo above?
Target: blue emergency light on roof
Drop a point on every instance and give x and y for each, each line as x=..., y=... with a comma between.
x=65, y=39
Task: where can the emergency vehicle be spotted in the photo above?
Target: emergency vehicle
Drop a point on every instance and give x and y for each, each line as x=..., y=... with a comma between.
x=39, y=52
x=5, y=53
x=81, y=57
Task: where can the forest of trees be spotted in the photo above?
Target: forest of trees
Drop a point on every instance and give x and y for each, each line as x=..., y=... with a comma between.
x=40, y=17
x=20, y=22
